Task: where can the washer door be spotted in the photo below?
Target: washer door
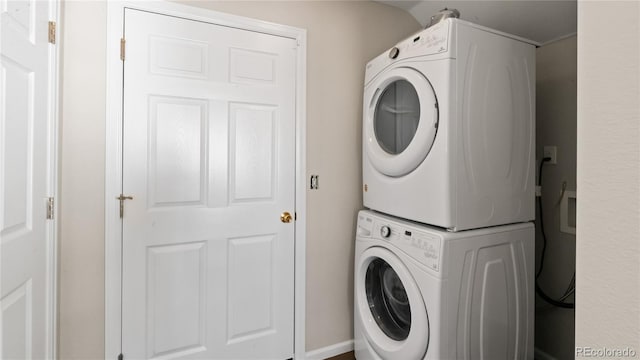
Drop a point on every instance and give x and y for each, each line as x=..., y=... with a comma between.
x=400, y=121
x=394, y=317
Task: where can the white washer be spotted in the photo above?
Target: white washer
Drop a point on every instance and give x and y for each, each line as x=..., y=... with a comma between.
x=425, y=293
x=448, y=128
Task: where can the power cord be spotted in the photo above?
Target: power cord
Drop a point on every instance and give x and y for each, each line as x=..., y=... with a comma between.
x=539, y=291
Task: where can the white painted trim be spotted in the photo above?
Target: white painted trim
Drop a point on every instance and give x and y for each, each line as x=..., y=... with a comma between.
x=52, y=183
x=559, y=38
x=330, y=351
x=498, y=32
x=113, y=161
x=541, y=355
x=300, y=281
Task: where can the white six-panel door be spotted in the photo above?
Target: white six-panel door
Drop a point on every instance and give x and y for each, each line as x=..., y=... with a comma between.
x=209, y=159
x=26, y=255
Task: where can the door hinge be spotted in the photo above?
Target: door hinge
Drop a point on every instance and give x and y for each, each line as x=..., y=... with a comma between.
x=122, y=198
x=50, y=208
x=120, y=357
x=122, y=44
x=52, y=32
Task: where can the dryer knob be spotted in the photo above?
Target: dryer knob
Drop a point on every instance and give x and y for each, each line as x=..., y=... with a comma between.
x=394, y=52
x=385, y=231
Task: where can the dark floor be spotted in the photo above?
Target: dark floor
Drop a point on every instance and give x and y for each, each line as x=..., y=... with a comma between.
x=346, y=356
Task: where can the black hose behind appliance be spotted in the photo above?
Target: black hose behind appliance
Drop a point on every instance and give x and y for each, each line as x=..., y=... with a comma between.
x=539, y=290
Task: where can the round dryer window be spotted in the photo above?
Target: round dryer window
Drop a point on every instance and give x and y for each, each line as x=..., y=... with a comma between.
x=390, y=306
x=396, y=116
x=400, y=121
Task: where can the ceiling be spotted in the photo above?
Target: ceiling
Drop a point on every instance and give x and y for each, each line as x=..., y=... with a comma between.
x=539, y=20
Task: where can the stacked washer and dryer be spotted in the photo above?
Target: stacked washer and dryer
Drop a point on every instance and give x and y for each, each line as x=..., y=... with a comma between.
x=444, y=257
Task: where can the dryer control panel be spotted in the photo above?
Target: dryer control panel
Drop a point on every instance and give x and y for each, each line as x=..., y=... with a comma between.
x=434, y=43
x=431, y=41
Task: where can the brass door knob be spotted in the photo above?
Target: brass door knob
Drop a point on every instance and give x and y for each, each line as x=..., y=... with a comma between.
x=285, y=217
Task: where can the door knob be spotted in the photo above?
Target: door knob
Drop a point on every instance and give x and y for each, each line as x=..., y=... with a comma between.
x=285, y=217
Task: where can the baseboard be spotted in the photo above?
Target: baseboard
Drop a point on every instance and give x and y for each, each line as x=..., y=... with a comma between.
x=330, y=351
x=541, y=355
x=346, y=346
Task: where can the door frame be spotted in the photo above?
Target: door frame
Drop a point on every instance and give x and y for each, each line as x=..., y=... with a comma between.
x=113, y=159
x=52, y=227
x=53, y=174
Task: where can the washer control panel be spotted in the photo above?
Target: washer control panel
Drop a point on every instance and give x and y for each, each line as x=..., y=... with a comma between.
x=423, y=246
x=365, y=225
x=430, y=247
x=385, y=231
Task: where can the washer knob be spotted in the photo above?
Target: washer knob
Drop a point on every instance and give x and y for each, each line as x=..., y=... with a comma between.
x=385, y=231
x=394, y=52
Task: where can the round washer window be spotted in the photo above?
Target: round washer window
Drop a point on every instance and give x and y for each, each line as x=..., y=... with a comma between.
x=397, y=116
x=388, y=300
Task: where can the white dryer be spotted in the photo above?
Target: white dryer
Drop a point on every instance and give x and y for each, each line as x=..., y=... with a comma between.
x=425, y=293
x=448, y=128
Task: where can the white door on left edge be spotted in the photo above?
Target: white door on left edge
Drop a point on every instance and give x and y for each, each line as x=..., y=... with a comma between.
x=26, y=275
x=209, y=159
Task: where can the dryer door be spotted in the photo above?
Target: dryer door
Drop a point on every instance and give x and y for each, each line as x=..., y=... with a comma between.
x=391, y=309
x=400, y=121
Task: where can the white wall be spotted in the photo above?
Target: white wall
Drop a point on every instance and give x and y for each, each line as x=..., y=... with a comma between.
x=556, y=92
x=608, y=219
x=342, y=37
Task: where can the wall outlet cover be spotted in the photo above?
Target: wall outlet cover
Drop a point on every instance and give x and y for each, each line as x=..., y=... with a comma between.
x=551, y=152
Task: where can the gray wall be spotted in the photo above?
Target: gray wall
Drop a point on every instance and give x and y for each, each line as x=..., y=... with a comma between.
x=556, y=92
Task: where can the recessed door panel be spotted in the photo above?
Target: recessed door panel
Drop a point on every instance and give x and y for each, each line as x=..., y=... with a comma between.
x=176, y=299
x=177, y=151
x=178, y=57
x=16, y=119
x=252, y=67
x=252, y=135
x=17, y=314
x=21, y=16
x=250, y=287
